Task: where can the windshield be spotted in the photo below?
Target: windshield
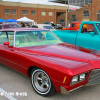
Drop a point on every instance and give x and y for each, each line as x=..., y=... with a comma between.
x=33, y=38
x=47, y=27
x=72, y=25
x=98, y=26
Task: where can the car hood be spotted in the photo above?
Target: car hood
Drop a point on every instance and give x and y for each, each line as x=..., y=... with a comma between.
x=65, y=56
x=63, y=50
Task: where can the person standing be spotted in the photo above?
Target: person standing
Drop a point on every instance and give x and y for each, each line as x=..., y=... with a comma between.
x=23, y=25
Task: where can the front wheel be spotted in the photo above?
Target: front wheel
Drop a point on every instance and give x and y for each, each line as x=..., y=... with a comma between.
x=41, y=82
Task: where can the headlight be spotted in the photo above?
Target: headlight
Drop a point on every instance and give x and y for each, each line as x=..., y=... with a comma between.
x=79, y=78
x=82, y=77
x=74, y=80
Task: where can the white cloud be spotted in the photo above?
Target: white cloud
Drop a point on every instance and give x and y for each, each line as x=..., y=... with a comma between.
x=41, y=2
x=29, y=1
x=36, y=1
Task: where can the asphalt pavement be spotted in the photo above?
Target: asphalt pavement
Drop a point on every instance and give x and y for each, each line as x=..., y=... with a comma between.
x=14, y=86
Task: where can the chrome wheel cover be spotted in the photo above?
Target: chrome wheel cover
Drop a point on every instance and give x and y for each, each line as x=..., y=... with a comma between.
x=41, y=81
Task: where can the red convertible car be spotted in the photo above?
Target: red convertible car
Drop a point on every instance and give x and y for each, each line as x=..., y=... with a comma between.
x=50, y=64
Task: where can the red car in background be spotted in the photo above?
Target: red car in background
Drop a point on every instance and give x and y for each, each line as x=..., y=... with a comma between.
x=73, y=26
x=51, y=64
x=9, y=25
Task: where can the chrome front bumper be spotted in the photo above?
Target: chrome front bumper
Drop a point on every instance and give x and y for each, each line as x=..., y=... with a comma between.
x=64, y=91
x=94, y=79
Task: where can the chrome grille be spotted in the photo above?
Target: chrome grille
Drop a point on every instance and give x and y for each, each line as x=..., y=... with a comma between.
x=94, y=78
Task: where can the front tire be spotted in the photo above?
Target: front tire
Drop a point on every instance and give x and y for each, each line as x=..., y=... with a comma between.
x=41, y=82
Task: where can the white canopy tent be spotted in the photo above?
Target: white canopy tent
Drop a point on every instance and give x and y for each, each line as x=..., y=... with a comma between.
x=25, y=19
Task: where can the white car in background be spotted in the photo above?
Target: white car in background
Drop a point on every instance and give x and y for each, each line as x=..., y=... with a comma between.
x=45, y=26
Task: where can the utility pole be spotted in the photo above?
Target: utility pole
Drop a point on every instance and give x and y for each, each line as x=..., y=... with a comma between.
x=66, y=15
x=66, y=20
x=68, y=5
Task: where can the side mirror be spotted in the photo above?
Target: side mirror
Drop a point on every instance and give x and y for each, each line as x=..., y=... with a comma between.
x=92, y=33
x=6, y=43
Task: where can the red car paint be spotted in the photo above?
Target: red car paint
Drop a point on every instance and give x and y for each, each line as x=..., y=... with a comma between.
x=74, y=26
x=57, y=60
x=9, y=25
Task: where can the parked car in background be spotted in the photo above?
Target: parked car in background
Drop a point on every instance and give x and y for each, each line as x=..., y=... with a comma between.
x=34, y=26
x=57, y=26
x=48, y=23
x=45, y=26
x=9, y=25
x=88, y=35
x=73, y=26
x=51, y=64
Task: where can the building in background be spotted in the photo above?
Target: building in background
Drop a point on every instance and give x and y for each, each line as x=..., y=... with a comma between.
x=79, y=3
x=89, y=10
x=38, y=12
x=80, y=10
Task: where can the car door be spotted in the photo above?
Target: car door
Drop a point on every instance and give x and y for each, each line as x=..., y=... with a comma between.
x=8, y=52
x=86, y=39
